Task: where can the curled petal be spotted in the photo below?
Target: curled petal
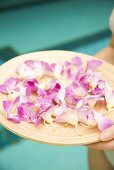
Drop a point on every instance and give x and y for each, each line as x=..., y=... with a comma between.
x=47, y=117
x=61, y=94
x=13, y=118
x=30, y=63
x=9, y=85
x=91, y=100
x=70, y=117
x=86, y=116
x=100, y=88
x=37, y=121
x=9, y=104
x=58, y=70
x=102, y=121
x=25, y=111
x=57, y=110
x=94, y=79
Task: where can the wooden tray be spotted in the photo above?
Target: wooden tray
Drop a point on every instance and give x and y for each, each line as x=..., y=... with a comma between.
x=62, y=135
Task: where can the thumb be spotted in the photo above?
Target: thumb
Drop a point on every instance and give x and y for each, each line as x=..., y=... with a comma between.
x=108, y=134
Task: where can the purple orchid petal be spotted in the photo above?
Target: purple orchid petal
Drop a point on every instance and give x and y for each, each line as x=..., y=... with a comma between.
x=54, y=87
x=13, y=118
x=25, y=111
x=94, y=64
x=91, y=100
x=85, y=115
x=30, y=63
x=48, y=66
x=3, y=89
x=41, y=93
x=9, y=85
x=37, y=121
x=31, y=86
x=68, y=117
x=44, y=103
x=100, y=88
x=76, y=61
x=69, y=73
x=105, y=123
x=58, y=70
x=97, y=90
x=102, y=121
x=7, y=106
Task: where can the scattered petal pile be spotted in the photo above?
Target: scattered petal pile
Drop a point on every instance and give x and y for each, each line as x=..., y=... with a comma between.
x=65, y=93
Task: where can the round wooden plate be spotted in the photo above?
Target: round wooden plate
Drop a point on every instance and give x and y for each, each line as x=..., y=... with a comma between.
x=44, y=133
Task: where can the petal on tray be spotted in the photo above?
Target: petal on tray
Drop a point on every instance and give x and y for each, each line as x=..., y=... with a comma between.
x=9, y=85
x=102, y=121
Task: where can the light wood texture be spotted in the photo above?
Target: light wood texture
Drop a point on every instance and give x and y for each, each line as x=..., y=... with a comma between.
x=62, y=135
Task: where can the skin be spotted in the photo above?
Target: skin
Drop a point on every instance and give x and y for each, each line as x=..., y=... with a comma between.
x=95, y=151
x=107, y=140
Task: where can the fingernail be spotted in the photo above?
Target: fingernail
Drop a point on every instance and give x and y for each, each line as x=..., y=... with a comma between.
x=104, y=136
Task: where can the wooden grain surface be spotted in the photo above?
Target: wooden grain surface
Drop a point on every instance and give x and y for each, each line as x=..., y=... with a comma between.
x=62, y=135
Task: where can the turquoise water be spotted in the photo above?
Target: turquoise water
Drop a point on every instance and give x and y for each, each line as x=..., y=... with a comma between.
x=93, y=47
x=34, y=156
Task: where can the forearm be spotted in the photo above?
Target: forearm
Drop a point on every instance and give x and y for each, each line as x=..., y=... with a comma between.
x=112, y=42
x=107, y=54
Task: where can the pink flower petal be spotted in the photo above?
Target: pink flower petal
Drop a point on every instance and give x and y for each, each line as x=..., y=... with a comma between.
x=70, y=116
x=58, y=70
x=91, y=100
x=7, y=106
x=9, y=85
x=31, y=86
x=94, y=64
x=86, y=116
x=37, y=121
x=76, y=61
x=30, y=63
x=13, y=118
x=25, y=111
x=102, y=121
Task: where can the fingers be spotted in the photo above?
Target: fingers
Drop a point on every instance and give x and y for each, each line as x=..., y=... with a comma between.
x=107, y=140
x=103, y=145
x=108, y=134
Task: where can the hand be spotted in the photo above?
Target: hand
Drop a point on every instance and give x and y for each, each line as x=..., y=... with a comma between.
x=107, y=140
